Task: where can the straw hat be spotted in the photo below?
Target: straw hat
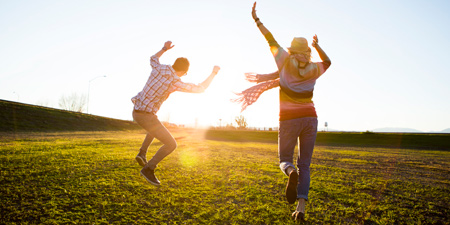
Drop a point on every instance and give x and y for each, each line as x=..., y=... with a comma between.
x=299, y=45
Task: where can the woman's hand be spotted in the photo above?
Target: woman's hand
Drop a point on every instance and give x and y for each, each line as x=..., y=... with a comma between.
x=254, y=11
x=315, y=42
x=322, y=54
x=168, y=45
x=216, y=69
x=251, y=77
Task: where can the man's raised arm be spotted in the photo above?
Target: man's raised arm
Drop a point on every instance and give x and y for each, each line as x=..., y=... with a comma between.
x=208, y=80
x=168, y=45
x=154, y=60
x=194, y=88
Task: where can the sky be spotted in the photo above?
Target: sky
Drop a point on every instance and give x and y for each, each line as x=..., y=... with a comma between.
x=388, y=57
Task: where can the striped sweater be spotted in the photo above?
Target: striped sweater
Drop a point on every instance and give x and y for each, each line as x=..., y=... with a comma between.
x=296, y=84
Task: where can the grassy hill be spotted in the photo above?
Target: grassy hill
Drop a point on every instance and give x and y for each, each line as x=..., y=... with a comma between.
x=19, y=117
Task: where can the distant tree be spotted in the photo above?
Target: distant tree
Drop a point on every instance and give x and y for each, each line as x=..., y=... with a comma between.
x=73, y=102
x=230, y=126
x=367, y=132
x=241, y=122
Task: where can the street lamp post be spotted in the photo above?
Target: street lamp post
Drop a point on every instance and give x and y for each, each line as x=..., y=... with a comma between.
x=17, y=95
x=89, y=90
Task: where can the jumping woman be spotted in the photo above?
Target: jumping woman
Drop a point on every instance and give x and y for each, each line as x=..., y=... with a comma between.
x=296, y=77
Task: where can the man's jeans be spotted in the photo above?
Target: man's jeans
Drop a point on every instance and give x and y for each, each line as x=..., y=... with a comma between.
x=305, y=130
x=155, y=129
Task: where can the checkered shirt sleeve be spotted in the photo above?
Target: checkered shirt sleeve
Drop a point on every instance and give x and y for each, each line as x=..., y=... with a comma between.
x=187, y=87
x=154, y=63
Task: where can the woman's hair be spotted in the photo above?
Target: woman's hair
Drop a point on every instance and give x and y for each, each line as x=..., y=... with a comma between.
x=298, y=60
x=306, y=54
x=181, y=64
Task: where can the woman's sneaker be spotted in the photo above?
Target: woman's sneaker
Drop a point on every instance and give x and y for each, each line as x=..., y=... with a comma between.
x=141, y=160
x=298, y=216
x=149, y=175
x=291, y=187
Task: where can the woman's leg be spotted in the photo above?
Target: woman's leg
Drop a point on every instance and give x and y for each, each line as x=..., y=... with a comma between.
x=299, y=213
x=306, y=147
x=287, y=139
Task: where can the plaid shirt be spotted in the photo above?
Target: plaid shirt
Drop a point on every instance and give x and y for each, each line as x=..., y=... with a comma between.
x=161, y=83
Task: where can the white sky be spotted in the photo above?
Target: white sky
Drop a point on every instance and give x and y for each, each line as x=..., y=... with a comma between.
x=388, y=57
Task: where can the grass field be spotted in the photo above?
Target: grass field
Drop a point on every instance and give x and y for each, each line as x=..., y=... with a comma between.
x=92, y=178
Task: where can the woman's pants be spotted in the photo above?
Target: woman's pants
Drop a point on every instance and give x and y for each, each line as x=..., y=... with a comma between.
x=290, y=132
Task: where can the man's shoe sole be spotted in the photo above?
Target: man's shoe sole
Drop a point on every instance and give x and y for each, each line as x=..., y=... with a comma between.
x=140, y=160
x=151, y=182
x=291, y=187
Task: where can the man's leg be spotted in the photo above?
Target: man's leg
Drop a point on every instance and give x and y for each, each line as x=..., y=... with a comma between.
x=145, y=144
x=141, y=157
x=169, y=145
x=156, y=129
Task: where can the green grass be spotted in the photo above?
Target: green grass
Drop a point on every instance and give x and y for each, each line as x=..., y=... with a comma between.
x=91, y=177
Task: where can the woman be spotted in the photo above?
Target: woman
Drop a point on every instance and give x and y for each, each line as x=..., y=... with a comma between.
x=296, y=77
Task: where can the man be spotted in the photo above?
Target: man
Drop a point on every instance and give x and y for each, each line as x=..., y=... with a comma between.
x=163, y=80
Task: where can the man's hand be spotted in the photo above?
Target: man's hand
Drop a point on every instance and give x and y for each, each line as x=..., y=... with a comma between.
x=254, y=11
x=216, y=69
x=168, y=45
x=251, y=77
x=315, y=42
x=208, y=80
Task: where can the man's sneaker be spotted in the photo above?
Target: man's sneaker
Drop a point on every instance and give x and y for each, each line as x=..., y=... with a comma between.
x=141, y=160
x=291, y=187
x=149, y=175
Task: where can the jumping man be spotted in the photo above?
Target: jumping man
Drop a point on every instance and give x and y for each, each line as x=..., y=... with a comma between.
x=163, y=80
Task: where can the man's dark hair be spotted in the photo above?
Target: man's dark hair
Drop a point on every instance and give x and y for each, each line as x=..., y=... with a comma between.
x=181, y=64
